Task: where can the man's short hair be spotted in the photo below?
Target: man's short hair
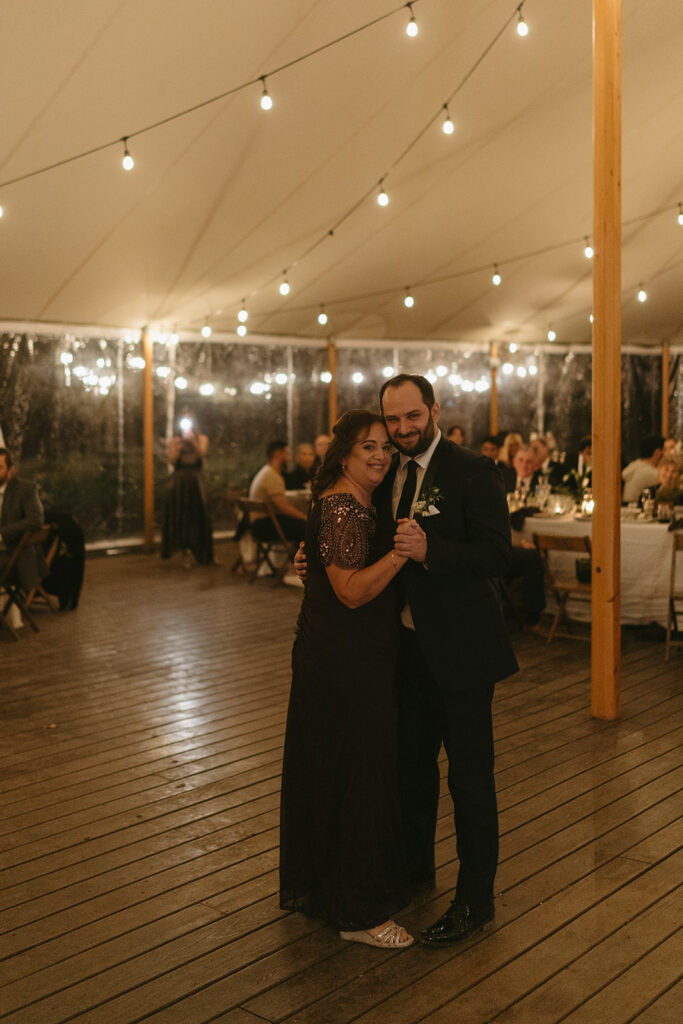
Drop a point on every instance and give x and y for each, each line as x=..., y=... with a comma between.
x=8, y=457
x=649, y=445
x=275, y=446
x=426, y=389
x=492, y=439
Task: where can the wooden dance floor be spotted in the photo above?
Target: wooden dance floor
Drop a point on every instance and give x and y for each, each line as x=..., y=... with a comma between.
x=140, y=772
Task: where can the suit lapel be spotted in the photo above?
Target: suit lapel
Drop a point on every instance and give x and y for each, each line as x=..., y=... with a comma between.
x=433, y=467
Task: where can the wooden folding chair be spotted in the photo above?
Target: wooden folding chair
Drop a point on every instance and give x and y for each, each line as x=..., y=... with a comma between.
x=266, y=548
x=563, y=585
x=13, y=594
x=675, y=596
x=38, y=593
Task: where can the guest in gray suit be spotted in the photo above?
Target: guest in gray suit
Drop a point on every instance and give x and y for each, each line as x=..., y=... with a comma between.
x=20, y=510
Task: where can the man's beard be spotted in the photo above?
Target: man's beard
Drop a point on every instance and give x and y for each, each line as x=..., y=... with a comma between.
x=425, y=439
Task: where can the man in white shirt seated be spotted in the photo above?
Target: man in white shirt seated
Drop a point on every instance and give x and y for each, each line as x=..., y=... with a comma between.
x=642, y=472
x=524, y=464
x=269, y=485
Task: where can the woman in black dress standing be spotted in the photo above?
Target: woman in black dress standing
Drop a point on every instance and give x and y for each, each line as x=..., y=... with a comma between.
x=341, y=854
x=186, y=525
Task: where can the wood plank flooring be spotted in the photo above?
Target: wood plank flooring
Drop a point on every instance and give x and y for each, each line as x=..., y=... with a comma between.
x=139, y=785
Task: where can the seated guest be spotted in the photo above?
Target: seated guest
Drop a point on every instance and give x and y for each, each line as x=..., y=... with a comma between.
x=302, y=474
x=542, y=453
x=576, y=470
x=642, y=472
x=269, y=485
x=509, y=447
x=527, y=565
x=321, y=444
x=526, y=478
x=490, y=446
x=668, y=488
x=670, y=446
x=455, y=434
x=20, y=510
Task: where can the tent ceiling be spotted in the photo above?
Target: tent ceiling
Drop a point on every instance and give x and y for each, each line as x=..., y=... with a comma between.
x=222, y=200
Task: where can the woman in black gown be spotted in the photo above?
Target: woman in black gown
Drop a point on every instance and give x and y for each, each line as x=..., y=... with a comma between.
x=186, y=525
x=341, y=855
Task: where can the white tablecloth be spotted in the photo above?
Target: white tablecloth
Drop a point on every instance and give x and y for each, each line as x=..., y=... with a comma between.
x=645, y=565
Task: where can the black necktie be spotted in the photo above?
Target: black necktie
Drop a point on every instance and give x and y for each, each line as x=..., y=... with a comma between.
x=408, y=492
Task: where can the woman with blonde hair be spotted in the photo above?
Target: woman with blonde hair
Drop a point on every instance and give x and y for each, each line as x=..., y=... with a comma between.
x=511, y=445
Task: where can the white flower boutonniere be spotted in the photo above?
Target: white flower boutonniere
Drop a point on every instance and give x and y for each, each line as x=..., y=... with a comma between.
x=428, y=502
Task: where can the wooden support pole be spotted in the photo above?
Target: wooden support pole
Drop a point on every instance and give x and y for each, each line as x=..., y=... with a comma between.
x=606, y=594
x=148, y=438
x=666, y=364
x=493, y=363
x=332, y=391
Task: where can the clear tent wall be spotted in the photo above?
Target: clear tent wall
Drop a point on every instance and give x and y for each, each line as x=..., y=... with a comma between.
x=71, y=405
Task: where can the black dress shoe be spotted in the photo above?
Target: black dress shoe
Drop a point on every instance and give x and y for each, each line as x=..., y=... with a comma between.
x=458, y=923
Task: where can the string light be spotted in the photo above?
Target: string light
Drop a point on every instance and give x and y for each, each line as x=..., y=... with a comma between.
x=680, y=214
x=326, y=377
x=164, y=372
x=127, y=163
x=266, y=99
x=206, y=331
x=441, y=370
x=206, y=389
x=66, y=358
x=357, y=377
x=408, y=300
x=521, y=371
x=522, y=27
x=551, y=334
x=496, y=278
x=411, y=27
x=180, y=383
x=447, y=127
x=533, y=370
x=388, y=371
x=382, y=197
x=588, y=249
x=591, y=318
x=642, y=294
x=508, y=368
x=322, y=316
x=243, y=316
x=241, y=330
x=281, y=378
x=284, y=285
x=2, y=212
x=513, y=347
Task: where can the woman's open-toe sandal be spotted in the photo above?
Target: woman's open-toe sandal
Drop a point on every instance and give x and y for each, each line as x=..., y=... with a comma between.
x=388, y=938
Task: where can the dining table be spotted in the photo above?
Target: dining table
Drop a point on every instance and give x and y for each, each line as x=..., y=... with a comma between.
x=646, y=552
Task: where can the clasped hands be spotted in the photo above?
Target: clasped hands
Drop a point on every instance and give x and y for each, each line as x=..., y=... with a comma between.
x=410, y=540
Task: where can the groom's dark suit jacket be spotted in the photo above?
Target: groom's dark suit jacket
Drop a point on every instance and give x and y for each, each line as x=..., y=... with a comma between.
x=457, y=615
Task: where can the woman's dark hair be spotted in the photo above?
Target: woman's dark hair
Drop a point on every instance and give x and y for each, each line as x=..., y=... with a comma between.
x=350, y=428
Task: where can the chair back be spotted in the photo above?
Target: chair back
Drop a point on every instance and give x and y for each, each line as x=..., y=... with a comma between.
x=249, y=507
x=559, y=542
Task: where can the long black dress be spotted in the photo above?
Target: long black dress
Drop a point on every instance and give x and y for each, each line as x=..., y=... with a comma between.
x=186, y=524
x=342, y=851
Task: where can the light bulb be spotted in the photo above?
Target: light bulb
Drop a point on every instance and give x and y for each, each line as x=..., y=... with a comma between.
x=180, y=383
x=408, y=301
x=127, y=163
x=243, y=316
x=326, y=377
x=521, y=371
x=2, y=212
x=322, y=317
x=357, y=377
x=281, y=378
x=284, y=287
x=522, y=27
x=206, y=389
x=591, y=318
x=388, y=371
x=173, y=339
x=507, y=369
x=551, y=335
x=642, y=294
x=163, y=372
x=441, y=370
x=266, y=101
x=588, y=250
x=382, y=198
x=241, y=330
x=447, y=127
x=513, y=347
x=680, y=214
x=496, y=279
x=206, y=331
x=533, y=370
x=411, y=27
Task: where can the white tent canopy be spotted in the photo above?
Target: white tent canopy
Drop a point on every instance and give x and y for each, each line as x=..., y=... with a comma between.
x=222, y=200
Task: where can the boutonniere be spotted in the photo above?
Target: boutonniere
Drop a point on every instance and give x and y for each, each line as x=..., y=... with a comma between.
x=428, y=502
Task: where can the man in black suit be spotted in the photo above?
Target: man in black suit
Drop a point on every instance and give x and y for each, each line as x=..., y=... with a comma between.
x=20, y=510
x=452, y=523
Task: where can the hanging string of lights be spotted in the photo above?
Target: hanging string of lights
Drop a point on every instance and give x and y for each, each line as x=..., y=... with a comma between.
x=265, y=101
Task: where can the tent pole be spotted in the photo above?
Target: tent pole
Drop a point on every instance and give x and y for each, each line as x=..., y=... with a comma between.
x=666, y=357
x=148, y=439
x=493, y=364
x=332, y=390
x=606, y=595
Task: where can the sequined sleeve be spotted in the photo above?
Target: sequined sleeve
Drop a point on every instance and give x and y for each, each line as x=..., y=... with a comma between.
x=346, y=528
